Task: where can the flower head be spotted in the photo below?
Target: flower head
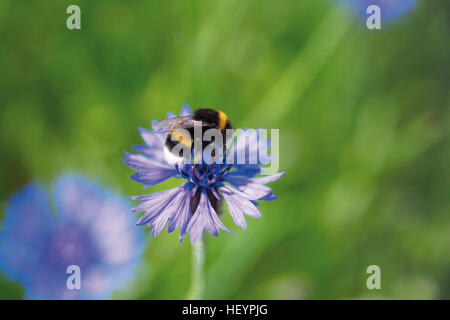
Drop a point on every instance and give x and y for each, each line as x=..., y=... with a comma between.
x=195, y=205
x=38, y=247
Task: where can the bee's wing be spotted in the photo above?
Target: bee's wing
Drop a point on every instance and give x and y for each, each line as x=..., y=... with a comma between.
x=172, y=124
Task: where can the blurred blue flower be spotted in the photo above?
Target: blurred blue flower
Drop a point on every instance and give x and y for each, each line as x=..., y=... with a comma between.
x=390, y=9
x=195, y=205
x=92, y=229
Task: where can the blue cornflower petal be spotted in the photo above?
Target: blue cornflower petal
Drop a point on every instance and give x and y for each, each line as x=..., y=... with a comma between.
x=154, y=125
x=269, y=197
x=237, y=205
x=154, y=143
x=150, y=152
x=158, y=222
x=180, y=218
x=27, y=216
x=154, y=204
x=149, y=172
x=186, y=110
x=246, y=170
x=152, y=139
x=254, y=188
x=204, y=218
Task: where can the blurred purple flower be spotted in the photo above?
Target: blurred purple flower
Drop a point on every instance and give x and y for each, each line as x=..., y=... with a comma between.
x=194, y=206
x=390, y=9
x=92, y=229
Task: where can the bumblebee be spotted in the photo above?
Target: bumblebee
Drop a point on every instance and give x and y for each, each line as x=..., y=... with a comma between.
x=202, y=118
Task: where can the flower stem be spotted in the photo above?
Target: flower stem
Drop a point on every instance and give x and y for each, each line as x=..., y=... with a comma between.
x=198, y=270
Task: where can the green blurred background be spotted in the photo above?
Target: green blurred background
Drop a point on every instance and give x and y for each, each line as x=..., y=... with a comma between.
x=363, y=118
